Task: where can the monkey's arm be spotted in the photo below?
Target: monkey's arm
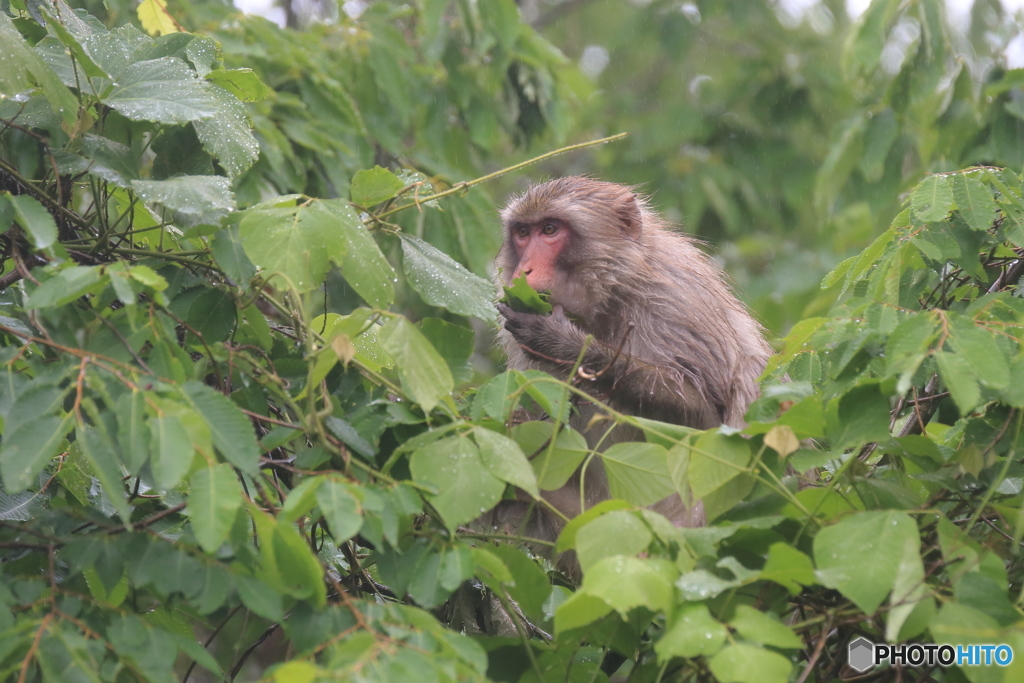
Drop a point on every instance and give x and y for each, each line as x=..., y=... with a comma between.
x=629, y=383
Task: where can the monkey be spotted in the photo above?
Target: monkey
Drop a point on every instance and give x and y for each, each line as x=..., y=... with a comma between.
x=668, y=338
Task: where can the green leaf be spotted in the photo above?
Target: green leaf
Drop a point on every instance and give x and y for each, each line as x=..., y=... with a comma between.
x=374, y=186
x=530, y=587
x=132, y=431
x=552, y=465
x=164, y=90
x=788, y=567
x=523, y=298
x=424, y=373
x=347, y=433
x=861, y=555
x=195, y=199
x=628, y=582
x=233, y=434
x=691, y=632
x=301, y=499
x=25, y=451
x=741, y=663
x=151, y=651
x=340, y=509
x=80, y=53
x=863, y=49
x=911, y=337
x=974, y=201
x=909, y=588
x=978, y=347
x=229, y=254
x=638, y=472
x=242, y=83
x=933, y=199
x=549, y=394
x=228, y=136
x=465, y=488
x=881, y=132
x=172, y=451
x=65, y=286
x=505, y=460
x=213, y=501
x=567, y=539
x=859, y=416
x=287, y=561
x=212, y=314
x=494, y=398
x=262, y=599
x=715, y=459
x=958, y=376
x=620, y=532
x=23, y=68
x=297, y=242
x=103, y=158
x=442, y=281
x=104, y=463
x=579, y=610
x=35, y=220
x=958, y=624
x=362, y=265
x=757, y=626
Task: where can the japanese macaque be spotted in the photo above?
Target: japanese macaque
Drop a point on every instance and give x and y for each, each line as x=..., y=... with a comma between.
x=670, y=340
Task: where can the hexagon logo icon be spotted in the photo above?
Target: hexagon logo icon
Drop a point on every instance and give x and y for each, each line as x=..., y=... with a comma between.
x=860, y=655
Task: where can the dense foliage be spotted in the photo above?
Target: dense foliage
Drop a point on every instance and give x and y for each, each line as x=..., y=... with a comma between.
x=216, y=466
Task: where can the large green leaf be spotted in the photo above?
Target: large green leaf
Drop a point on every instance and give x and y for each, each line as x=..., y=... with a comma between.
x=442, y=281
x=959, y=378
x=25, y=451
x=65, y=286
x=505, y=460
x=628, y=582
x=195, y=199
x=465, y=488
x=164, y=90
x=228, y=136
x=933, y=199
x=340, y=509
x=374, y=186
x=104, y=463
x=172, y=451
x=974, y=201
x=620, y=532
x=23, y=69
x=233, y=434
x=297, y=242
x=742, y=663
x=716, y=459
x=861, y=555
x=213, y=501
x=424, y=373
x=691, y=632
x=35, y=220
x=363, y=265
x=553, y=465
x=638, y=472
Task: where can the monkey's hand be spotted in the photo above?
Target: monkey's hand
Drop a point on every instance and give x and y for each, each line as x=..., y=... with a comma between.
x=553, y=338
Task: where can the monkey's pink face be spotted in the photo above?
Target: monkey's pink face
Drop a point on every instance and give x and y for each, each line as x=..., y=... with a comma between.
x=538, y=246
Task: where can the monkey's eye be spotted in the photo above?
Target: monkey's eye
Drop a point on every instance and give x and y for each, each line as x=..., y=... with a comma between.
x=523, y=231
x=550, y=229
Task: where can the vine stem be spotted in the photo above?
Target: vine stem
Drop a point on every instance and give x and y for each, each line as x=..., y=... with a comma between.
x=465, y=185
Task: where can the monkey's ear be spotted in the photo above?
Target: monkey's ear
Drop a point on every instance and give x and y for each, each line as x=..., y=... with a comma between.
x=628, y=214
